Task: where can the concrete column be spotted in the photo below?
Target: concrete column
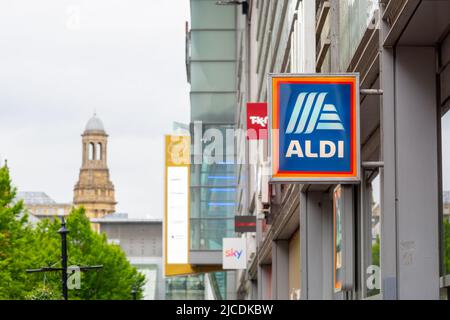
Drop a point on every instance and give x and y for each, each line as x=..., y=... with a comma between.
x=104, y=152
x=280, y=270
x=316, y=246
x=264, y=282
x=410, y=215
x=85, y=153
x=254, y=290
x=388, y=251
x=417, y=173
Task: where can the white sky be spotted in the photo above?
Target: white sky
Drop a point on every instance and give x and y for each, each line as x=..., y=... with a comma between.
x=61, y=60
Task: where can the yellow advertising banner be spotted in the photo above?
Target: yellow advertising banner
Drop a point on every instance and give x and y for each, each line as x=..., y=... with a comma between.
x=177, y=209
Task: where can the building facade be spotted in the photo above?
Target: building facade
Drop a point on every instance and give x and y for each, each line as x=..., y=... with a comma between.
x=211, y=64
x=94, y=189
x=41, y=206
x=394, y=227
x=141, y=241
x=211, y=70
x=394, y=222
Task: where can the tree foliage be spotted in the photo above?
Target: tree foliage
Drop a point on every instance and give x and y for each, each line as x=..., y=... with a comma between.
x=447, y=244
x=23, y=246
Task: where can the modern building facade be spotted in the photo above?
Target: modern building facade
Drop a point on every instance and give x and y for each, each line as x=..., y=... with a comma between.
x=394, y=219
x=141, y=240
x=211, y=69
x=94, y=189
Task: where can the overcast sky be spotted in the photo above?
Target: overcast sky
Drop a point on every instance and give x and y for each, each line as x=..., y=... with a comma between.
x=61, y=60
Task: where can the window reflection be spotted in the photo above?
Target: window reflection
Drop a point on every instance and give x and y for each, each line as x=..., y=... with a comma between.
x=446, y=191
x=355, y=18
x=185, y=288
x=372, y=235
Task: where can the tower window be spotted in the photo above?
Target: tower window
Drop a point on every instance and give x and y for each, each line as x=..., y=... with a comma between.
x=98, y=152
x=91, y=151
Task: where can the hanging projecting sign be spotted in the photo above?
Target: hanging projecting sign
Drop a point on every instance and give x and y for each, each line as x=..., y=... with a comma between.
x=257, y=121
x=244, y=224
x=314, y=128
x=234, y=254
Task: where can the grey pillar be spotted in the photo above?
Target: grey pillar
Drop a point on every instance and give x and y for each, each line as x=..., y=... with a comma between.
x=388, y=253
x=410, y=215
x=264, y=283
x=280, y=270
x=316, y=246
x=254, y=290
x=417, y=173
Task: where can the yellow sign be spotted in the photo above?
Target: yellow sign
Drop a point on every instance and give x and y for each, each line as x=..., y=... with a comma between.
x=177, y=209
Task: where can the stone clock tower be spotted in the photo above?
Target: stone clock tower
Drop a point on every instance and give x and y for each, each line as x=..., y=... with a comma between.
x=94, y=190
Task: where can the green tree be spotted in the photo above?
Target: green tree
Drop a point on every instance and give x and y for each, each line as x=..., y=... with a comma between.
x=447, y=245
x=16, y=242
x=376, y=252
x=86, y=248
x=23, y=247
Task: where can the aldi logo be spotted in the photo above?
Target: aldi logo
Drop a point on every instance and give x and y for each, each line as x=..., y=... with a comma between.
x=320, y=117
x=314, y=124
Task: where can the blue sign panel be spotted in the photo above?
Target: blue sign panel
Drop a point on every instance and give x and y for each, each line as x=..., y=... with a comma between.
x=315, y=128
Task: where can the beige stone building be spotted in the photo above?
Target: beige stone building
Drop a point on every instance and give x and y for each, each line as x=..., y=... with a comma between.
x=41, y=206
x=94, y=189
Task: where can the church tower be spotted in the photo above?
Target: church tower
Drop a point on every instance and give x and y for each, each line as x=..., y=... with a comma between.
x=94, y=190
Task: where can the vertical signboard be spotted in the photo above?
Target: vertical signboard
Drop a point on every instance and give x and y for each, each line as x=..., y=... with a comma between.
x=314, y=128
x=257, y=121
x=176, y=222
x=177, y=209
x=234, y=254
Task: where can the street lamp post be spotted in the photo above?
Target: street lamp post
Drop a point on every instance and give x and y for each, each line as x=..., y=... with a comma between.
x=134, y=293
x=63, y=231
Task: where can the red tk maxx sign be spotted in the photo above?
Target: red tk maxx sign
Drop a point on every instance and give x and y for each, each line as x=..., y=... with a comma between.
x=257, y=121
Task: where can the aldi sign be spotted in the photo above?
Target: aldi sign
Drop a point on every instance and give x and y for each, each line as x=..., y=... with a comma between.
x=314, y=128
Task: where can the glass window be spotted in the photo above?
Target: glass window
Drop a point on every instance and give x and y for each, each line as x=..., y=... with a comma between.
x=355, y=16
x=446, y=191
x=207, y=234
x=213, y=202
x=371, y=225
x=213, y=76
x=213, y=107
x=206, y=14
x=216, y=175
x=219, y=284
x=213, y=45
x=185, y=288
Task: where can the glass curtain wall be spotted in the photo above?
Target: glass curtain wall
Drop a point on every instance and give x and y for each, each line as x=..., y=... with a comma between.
x=212, y=75
x=354, y=18
x=185, y=288
x=371, y=232
x=213, y=189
